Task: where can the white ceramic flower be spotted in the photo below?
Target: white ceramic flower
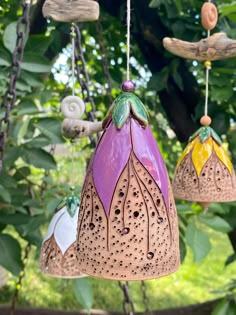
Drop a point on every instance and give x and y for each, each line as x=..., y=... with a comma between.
x=63, y=227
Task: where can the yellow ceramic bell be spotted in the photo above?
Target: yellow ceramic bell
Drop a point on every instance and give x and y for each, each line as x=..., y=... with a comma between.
x=204, y=172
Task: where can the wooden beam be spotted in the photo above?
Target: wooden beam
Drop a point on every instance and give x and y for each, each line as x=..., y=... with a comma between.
x=198, y=309
x=216, y=47
x=71, y=10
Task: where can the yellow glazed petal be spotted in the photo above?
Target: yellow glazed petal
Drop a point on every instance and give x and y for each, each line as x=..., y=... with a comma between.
x=201, y=154
x=223, y=156
x=188, y=149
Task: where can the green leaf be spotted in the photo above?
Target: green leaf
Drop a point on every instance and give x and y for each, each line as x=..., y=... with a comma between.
x=5, y=56
x=39, y=158
x=4, y=62
x=121, y=111
x=183, y=250
x=155, y=3
x=51, y=128
x=218, y=208
x=230, y=259
x=72, y=203
x=15, y=219
x=4, y=194
x=38, y=44
x=205, y=133
x=221, y=308
x=22, y=131
x=35, y=63
x=31, y=79
x=10, y=36
x=198, y=242
x=10, y=257
x=215, y=136
x=138, y=109
x=227, y=8
x=158, y=81
x=22, y=173
x=83, y=292
x=215, y=222
x=31, y=231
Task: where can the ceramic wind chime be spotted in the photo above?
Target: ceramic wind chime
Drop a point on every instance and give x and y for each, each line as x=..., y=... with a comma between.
x=127, y=224
x=204, y=172
x=59, y=250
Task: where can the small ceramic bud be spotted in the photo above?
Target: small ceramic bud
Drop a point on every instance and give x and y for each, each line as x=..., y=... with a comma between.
x=209, y=15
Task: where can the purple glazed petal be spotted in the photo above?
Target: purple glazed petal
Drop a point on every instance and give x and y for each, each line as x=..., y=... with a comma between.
x=147, y=152
x=109, y=161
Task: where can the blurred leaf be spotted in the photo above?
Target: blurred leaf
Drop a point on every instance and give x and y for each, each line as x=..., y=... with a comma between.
x=15, y=219
x=183, y=249
x=38, y=44
x=230, y=259
x=215, y=222
x=158, y=81
x=10, y=36
x=4, y=194
x=198, y=242
x=83, y=292
x=218, y=208
x=222, y=308
x=39, y=158
x=36, y=63
x=10, y=257
x=51, y=128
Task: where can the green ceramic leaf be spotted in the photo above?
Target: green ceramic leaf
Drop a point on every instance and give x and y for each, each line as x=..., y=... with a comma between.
x=121, y=110
x=216, y=137
x=138, y=109
x=72, y=203
x=196, y=133
x=61, y=204
x=205, y=133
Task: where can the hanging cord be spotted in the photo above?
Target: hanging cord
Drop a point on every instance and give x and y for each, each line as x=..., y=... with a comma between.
x=128, y=37
x=72, y=179
x=73, y=36
x=208, y=68
x=105, y=63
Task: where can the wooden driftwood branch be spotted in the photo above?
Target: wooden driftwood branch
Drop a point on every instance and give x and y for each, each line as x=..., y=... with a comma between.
x=75, y=128
x=71, y=10
x=216, y=47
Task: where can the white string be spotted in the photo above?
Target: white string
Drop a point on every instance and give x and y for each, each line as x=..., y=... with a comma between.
x=207, y=91
x=72, y=164
x=73, y=59
x=207, y=82
x=128, y=37
x=73, y=93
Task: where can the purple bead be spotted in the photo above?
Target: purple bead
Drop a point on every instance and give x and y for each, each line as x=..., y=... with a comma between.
x=128, y=86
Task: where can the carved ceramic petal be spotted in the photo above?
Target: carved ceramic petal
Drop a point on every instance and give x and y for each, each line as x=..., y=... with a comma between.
x=201, y=153
x=64, y=229
x=223, y=156
x=188, y=149
x=109, y=160
x=147, y=152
